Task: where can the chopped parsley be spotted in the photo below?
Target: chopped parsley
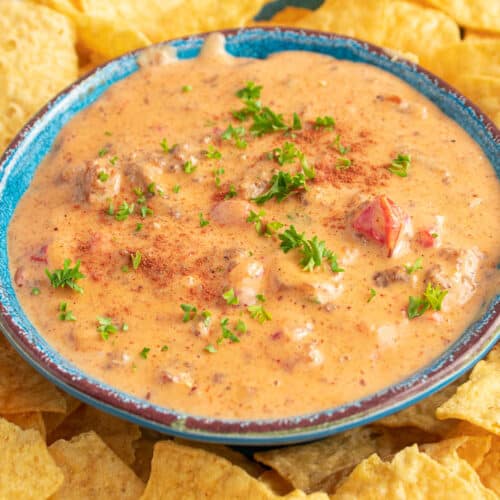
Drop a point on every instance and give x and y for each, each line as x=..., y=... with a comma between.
x=267, y=121
x=136, y=259
x=113, y=160
x=236, y=133
x=343, y=150
x=166, y=148
x=176, y=188
x=145, y=211
x=288, y=154
x=218, y=172
x=226, y=332
x=326, y=122
x=400, y=165
x=230, y=297
x=67, y=276
x=138, y=227
x=256, y=218
x=124, y=327
x=343, y=163
x=212, y=153
x=103, y=152
x=210, y=348
x=35, y=291
x=103, y=176
x=249, y=91
x=251, y=107
x=435, y=235
x=231, y=193
x=189, y=312
x=282, y=185
x=106, y=327
x=188, y=167
x=258, y=313
x=65, y=314
x=164, y=348
x=203, y=222
x=432, y=298
x=296, y=124
x=124, y=210
x=108, y=133
x=124, y=269
x=415, y=266
x=207, y=318
x=152, y=188
x=144, y=353
x=373, y=292
x=186, y=88
x=241, y=326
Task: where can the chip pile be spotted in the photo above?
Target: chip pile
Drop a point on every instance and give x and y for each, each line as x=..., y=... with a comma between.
x=53, y=446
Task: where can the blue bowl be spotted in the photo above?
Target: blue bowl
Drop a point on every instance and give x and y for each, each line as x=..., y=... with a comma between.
x=21, y=159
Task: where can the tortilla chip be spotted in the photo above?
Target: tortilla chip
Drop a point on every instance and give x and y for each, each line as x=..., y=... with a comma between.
x=436, y=28
x=143, y=449
x=489, y=469
x=479, y=57
x=92, y=470
x=54, y=420
x=365, y=19
x=118, y=434
x=290, y=16
x=471, y=35
x=27, y=471
x=411, y=474
x=478, y=400
x=37, y=60
x=276, y=483
x=22, y=389
x=30, y=420
x=238, y=459
x=483, y=91
x=478, y=14
x=184, y=472
x=321, y=465
x=422, y=414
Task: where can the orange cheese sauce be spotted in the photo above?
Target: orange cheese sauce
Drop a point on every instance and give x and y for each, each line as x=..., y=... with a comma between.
x=326, y=343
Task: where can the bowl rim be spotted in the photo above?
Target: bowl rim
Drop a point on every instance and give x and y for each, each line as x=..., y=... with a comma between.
x=256, y=432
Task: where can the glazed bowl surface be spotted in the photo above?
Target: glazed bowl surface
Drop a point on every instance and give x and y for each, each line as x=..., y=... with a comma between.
x=21, y=159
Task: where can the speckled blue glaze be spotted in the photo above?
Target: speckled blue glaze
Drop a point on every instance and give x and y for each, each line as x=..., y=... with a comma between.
x=21, y=159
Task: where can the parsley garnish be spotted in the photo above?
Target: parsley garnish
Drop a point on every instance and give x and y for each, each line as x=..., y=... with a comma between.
x=210, y=348
x=103, y=176
x=326, y=122
x=373, y=292
x=236, y=133
x=108, y=133
x=35, y=291
x=241, y=326
x=136, y=259
x=296, y=124
x=226, y=332
x=102, y=152
x=164, y=145
x=189, y=312
x=343, y=163
x=189, y=168
x=106, y=327
x=124, y=327
x=256, y=218
x=287, y=154
x=213, y=153
x=266, y=121
x=432, y=298
x=164, y=348
x=145, y=211
x=230, y=297
x=415, y=267
x=249, y=91
x=67, y=276
x=186, y=88
x=144, y=353
x=113, y=160
x=124, y=269
x=282, y=185
x=341, y=149
x=152, y=188
x=207, y=318
x=231, y=193
x=124, y=210
x=258, y=313
x=290, y=239
x=203, y=222
x=218, y=172
x=65, y=314
x=176, y=188
x=138, y=227
x=251, y=107
x=400, y=165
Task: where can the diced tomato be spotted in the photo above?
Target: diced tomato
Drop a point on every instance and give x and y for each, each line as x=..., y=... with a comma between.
x=425, y=238
x=40, y=255
x=380, y=220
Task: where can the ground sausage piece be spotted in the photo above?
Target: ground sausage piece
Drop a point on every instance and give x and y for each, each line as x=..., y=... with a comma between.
x=387, y=276
x=435, y=276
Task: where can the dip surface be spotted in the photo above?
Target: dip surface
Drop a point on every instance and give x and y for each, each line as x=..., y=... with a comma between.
x=326, y=336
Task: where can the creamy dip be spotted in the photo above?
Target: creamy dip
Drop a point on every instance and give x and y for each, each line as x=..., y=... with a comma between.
x=197, y=300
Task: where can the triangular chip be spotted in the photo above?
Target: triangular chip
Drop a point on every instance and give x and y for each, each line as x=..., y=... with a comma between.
x=27, y=471
x=29, y=420
x=92, y=470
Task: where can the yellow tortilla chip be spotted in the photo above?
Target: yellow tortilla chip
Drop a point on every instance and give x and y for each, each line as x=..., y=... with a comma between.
x=423, y=414
x=143, y=451
x=27, y=471
x=436, y=28
x=250, y=467
x=321, y=465
x=184, y=472
x=489, y=469
x=290, y=15
x=411, y=474
x=471, y=35
x=37, y=60
x=478, y=400
x=22, y=389
x=54, y=420
x=478, y=14
x=276, y=483
x=365, y=19
x=29, y=420
x=118, y=434
x=92, y=470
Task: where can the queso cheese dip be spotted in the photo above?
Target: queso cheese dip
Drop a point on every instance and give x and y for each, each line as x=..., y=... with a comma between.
x=247, y=238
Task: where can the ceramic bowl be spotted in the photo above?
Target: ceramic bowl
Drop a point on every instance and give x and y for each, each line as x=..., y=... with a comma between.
x=22, y=158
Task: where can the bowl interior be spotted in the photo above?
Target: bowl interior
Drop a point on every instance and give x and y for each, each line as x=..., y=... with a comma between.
x=19, y=164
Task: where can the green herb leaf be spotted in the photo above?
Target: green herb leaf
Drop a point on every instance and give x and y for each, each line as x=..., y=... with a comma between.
x=236, y=133
x=282, y=185
x=103, y=152
x=258, y=313
x=67, y=276
x=164, y=348
x=144, y=353
x=176, y=188
x=35, y=291
x=231, y=193
x=207, y=318
x=230, y=297
x=341, y=149
x=326, y=122
x=136, y=259
x=290, y=239
x=373, y=292
x=417, y=306
x=189, y=312
x=343, y=163
x=226, y=332
x=210, y=348
x=145, y=211
x=113, y=160
x=106, y=327
x=213, y=153
x=415, y=266
x=267, y=121
x=124, y=327
x=124, y=210
x=297, y=124
x=138, y=227
x=400, y=165
x=256, y=218
x=203, y=222
x=65, y=314
x=431, y=299
x=241, y=326
x=249, y=91
x=186, y=88
x=103, y=176
x=166, y=148
x=188, y=167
